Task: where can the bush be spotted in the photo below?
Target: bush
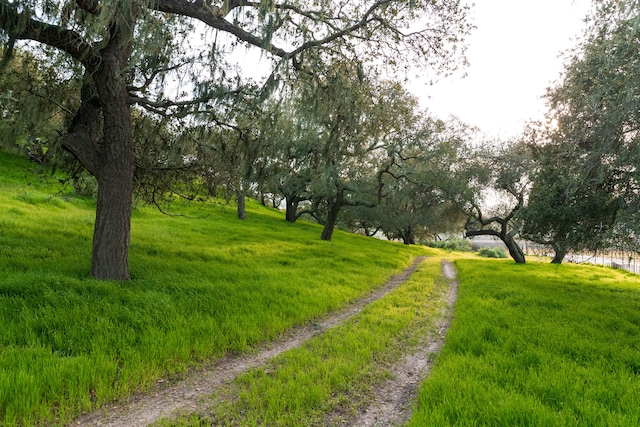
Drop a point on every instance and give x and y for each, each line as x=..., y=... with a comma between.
x=452, y=245
x=492, y=252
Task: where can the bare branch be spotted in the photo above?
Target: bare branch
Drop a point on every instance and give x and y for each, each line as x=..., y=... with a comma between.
x=149, y=80
x=49, y=99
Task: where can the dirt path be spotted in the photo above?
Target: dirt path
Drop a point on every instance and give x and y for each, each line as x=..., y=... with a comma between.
x=394, y=400
x=165, y=400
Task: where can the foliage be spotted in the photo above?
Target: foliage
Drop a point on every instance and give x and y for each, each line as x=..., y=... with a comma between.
x=462, y=245
x=422, y=165
x=173, y=58
x=588, y=180
x=72, y=344
x=537, y=344
x=488, y=252
x=505, y=171
x=34, y=106
x=326, y=154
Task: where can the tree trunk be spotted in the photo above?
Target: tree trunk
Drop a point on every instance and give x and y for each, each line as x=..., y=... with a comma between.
x=332, y=219
x=560, y=253
x=514, y=249
x=291, y=209
x=242, y=213
x=407, y=236
x=114, y=170
x=101, y=138
x=111, y=235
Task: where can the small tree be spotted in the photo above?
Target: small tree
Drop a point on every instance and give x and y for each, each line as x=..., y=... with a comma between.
x=347, y=131
x=422, y=164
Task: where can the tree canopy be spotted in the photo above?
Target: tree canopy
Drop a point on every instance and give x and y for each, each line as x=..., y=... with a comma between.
x=173, y=58
x=585, y=193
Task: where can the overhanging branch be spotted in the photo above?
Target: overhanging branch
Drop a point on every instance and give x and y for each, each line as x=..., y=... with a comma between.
x=213, y=16
x=20, y=26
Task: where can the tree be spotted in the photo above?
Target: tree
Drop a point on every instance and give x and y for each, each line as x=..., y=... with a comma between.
x=356, y=119
x=128, y=49
x=568, y=209
x=507, y=174
x=288, y=142
x=343, y=117
x=422, y=165
x=229, y=144
x=588, y=179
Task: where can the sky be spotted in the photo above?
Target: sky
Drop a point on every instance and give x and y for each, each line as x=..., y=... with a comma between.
x=514, y=55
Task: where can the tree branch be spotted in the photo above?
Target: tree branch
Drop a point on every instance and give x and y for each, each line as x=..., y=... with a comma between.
x=20, y=26
x=213, y=16
x=366, y=18
x=313, y=15
x=149, y=80
x=483, y=232
x=49, y=99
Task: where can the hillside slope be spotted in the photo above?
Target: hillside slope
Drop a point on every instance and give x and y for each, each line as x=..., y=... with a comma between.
x=204, y=285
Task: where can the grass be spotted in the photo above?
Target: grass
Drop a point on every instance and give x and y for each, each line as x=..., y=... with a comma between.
x=203, y=286
x=327, y=379
x=530, y=344
x=538, y=345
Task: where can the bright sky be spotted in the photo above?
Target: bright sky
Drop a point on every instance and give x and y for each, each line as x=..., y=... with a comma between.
x=514, y=56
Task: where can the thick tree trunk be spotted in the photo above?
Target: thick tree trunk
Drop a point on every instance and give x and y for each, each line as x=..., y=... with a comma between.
x=114, y=171
x=291, y=209
x=101, y=138
x=514, y=249
x=332, y=219
x=111, y=236
x=407, y=236
x=560, y=253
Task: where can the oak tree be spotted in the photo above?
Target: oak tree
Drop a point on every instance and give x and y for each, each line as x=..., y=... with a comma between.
x=586, y=190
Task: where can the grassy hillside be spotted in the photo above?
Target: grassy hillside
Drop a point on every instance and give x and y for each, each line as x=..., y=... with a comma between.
x=530, y=345
x=533, y=344
x=203, y=285
x=538, y=345
x=332, y=376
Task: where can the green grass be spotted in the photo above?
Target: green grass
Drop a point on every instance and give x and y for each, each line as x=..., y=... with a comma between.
x=538, y=345
x=203, y=286
x=531, y=344
x=336, y=372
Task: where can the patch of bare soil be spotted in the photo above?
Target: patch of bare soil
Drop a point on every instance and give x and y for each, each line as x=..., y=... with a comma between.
x=395, y=399
x=185, y=396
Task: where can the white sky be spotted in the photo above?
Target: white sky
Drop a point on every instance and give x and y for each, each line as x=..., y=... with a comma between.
x=514, y=56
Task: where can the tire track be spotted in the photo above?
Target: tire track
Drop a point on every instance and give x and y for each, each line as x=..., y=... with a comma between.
x=164, y=400
x=395, y=399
